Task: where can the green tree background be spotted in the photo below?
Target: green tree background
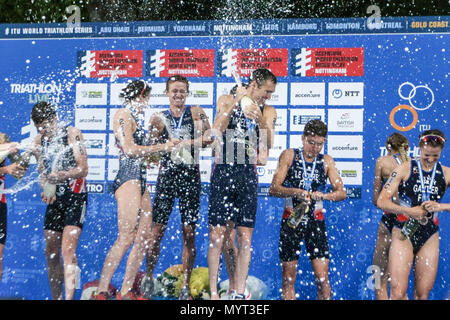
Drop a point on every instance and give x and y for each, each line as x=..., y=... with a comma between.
x=35, y=11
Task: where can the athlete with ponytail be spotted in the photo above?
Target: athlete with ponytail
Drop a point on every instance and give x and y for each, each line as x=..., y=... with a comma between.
x=133, y=199
x=397, y=147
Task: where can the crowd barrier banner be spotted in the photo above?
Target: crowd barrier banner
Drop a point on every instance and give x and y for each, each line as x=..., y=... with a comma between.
x=365, y=80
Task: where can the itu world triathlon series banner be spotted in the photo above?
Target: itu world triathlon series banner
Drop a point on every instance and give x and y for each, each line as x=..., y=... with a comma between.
x=364, y=82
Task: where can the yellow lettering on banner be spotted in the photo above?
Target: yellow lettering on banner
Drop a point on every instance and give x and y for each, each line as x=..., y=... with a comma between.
x=438, y=24
x=418, y=24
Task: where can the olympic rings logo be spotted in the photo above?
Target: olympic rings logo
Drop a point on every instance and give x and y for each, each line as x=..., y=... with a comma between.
x=411, y=107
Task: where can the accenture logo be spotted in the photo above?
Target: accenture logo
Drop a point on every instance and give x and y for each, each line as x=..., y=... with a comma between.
x=346, y=147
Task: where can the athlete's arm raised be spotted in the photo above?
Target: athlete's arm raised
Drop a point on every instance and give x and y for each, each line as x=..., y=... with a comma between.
x=124, y=127
x=390, y=188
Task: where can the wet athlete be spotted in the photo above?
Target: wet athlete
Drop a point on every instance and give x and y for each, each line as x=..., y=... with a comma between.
x=243, y=136
x=397, y=146
x=421, y=184
x=133, y=199
x=11, y=149
x=301, y=178
x=62, y=163
x=178, y=177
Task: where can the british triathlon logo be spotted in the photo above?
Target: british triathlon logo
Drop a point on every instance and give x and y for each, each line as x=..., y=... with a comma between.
x=419, y=98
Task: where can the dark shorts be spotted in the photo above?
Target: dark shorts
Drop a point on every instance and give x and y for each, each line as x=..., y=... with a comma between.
x=423, y=233
x=182, y=183
x=388, y=219
x=68, y=210
x=233, y=195
x=3, y=223
x=312, y=232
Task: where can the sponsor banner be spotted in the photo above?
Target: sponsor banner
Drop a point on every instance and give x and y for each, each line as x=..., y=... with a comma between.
x=205, y=170
x=245, y=61
x=113, y=168
x=345, y=120
x=282, y=120
x=308, y=93
x=95, y=187
x=346, y=93
x=112, y=149
x=95, y=144
x=91, y=94
x=152, y=172
x=278, y=98
x=90, y=119
x=265, y=173
x=350, y=172
x=96, y=170
x=110, y=63
x=315, y=62
x=299, y=117
x=345, y=146
x=116, y=89
x=188, y=63
x=41, y=91
x=279, y=144
x=200, y=93
x=295, y=141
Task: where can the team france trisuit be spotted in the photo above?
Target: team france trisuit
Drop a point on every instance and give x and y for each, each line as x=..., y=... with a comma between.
x=311, y=228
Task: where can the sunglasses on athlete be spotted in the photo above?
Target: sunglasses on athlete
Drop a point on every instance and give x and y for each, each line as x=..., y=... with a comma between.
x=434, y=138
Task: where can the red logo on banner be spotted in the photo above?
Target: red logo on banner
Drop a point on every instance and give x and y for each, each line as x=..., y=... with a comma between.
x=111, y=63
x=245, y=61
x=314, y=62
x=188, y=63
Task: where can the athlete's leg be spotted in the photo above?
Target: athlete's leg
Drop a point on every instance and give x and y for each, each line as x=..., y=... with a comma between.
x=140, y=245
x=189, y=252
x=216, y=239
x=320, y=269
x=425, y=267
x=289, y=275
x=55, y=268
x=128, y=198
x=230, y=252
x=244, y=238
x=380, y=260
x=154, y=247
x=400, y=261
x=70, y=237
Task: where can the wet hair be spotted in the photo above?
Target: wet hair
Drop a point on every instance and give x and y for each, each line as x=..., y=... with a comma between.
x=434, y=138
x=398, y=142
x=262, y=75
x=177, y=78
x=233, y=90
x=315, y=127
x=42, y=111
x=135, y=89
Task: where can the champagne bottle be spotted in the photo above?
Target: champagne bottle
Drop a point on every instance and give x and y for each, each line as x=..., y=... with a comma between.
x=297, y=214
x=49, y=189
x=24, y=162
x=246, y=101
x=3, y=155
x=409, y=228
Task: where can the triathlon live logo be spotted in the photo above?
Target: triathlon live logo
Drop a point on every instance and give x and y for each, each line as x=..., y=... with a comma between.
x=313, y=62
